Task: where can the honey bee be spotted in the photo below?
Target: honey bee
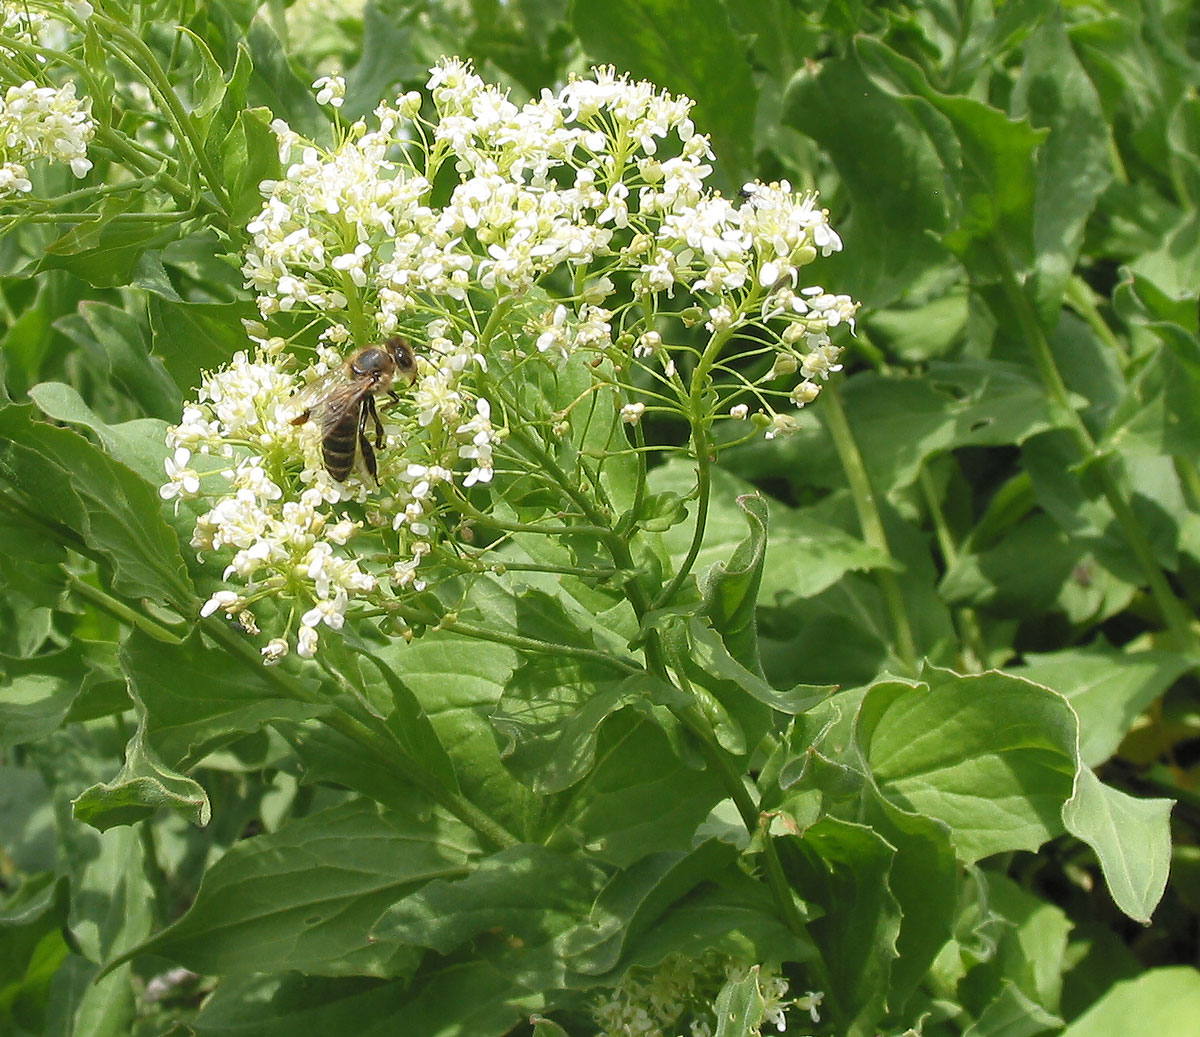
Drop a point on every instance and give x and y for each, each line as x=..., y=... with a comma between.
x=344, y=402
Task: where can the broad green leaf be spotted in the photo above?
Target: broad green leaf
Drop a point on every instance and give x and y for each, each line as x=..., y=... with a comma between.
x=1073, y=163
x=1163, y=1001
x=276, y=85
x=634, y=900
x=113, y=902
x=249, y=155
x=191, y=338
x=737, y=916
x=739, y=1006
x=709, y=654
x=196, y=697
x=305, y=897
x=1012, y=1014
x=924, y=875
x=804, y=555
x=112, y=510
x=453, y=1001
x=992, y=756
x=31, y=943
x=1130, y=837
x=642, y=797
x=991, y=164
x=139, y=444
x=1027, y=962
x=390, y=55
x=897, y=206
x=516, y=906
x=845, y=871
x=1107, y=688
x=105, y=251
x=550, y=719
x=209, y=85
x=32, y=705
x=688, y=47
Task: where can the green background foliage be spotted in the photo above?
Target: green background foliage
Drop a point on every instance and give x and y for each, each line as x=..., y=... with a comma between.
x=945, y=633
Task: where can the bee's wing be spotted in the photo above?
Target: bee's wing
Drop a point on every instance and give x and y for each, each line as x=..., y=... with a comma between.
x=334, y=407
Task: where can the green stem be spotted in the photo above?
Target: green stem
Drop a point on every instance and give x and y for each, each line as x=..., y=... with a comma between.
x=973, y=653
x=1176, y=617
x=870, y=521
x=143, y=61
x=119, y=610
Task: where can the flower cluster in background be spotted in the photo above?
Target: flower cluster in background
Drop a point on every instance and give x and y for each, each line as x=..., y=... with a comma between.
x=681, y=992
x=42, y=122
x=546, y=209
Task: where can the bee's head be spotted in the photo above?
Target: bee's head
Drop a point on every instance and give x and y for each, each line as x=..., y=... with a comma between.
x=406, y=360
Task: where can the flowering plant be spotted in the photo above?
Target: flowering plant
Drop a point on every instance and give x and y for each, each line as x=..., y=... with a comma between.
x=451, y=584
x=555, y=204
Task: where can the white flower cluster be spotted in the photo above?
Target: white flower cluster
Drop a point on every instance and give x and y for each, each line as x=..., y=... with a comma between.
x=656, y=1003
x=42, y=122
x=276, y=514
x=606, y=171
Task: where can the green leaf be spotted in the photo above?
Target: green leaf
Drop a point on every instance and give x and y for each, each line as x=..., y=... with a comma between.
x=845, y=871
x=1073, y=163
x=992, y=756
x=804, y=555
x=305, y=897
x=139, y=445
x=730, y=589
x=708, y=653
x=634, y=900
x=685, y=47
x=1131, y=838
x=898, y=206
x=1164, y=1002
x=517, y=904
x=1107, y=688
x=191, y=338
x=632, y=808
x=114, y=511
x=145, y=783
x=32, y=705
x=209, y=85
x=117, y=342
x=924, y=875
x=105, y=251
x=249, y=155
x=739, y=1007
x=455, y=1000
x=197, y=698
x=551, y=716
x=990, y=159
x=1012, y=1014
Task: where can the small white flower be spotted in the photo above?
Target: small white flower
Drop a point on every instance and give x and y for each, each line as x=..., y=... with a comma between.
x=632, y=413
x=274, y=650
x=331, y=90
x=306, y=642
x=739, y=411
x=228, y=600
x=781, y=425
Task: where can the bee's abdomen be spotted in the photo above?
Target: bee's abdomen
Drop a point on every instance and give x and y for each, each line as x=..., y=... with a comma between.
x=337, y=448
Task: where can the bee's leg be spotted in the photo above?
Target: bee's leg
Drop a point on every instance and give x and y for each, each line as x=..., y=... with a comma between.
x=364, y=443
x=379, y=433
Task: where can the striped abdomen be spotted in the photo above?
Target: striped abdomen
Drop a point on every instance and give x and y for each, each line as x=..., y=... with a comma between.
x=339, y=443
